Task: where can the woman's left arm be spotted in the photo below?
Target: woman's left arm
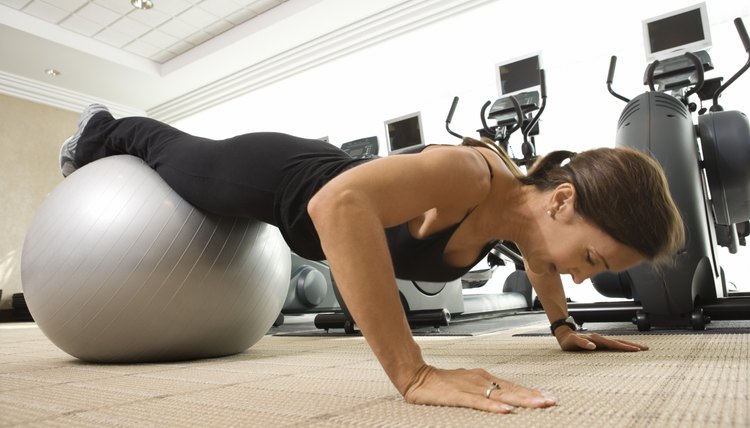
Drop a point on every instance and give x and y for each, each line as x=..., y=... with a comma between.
x=551, y=294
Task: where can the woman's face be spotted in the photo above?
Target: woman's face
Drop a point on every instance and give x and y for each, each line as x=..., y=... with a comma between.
x=571, y=245
x=583, y=250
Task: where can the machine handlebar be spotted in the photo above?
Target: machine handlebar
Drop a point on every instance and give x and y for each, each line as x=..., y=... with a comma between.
x=519, y=114
x=746, y=44
x=650, y=74
x=450, y=118
x=482, y=115
x=611, y=77
x=611, y=72
x=743, y=33
x=700, y=73
x=533, y=122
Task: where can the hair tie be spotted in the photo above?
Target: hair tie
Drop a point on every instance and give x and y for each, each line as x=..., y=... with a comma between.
x=567, y=160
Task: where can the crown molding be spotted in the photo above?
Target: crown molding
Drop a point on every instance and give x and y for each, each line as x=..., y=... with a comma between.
x=54, y=96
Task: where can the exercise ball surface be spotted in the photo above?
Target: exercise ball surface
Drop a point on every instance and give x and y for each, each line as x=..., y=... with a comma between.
x=116, y=267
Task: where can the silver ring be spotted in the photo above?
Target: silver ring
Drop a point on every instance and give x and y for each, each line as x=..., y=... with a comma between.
x=493, y=386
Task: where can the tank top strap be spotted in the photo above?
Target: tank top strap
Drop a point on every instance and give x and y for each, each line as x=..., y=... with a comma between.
x=489, y=165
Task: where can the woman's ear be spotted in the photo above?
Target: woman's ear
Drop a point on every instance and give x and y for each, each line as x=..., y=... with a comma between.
x=563, y=200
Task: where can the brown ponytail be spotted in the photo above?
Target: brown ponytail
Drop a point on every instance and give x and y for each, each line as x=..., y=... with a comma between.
x=489, y=144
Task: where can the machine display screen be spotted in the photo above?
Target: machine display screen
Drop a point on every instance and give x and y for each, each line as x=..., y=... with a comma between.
x=403, y=133
x=519, y=75
x=677, y=32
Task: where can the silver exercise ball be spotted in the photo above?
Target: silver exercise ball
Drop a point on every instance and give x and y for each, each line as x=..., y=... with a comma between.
x=116, y=267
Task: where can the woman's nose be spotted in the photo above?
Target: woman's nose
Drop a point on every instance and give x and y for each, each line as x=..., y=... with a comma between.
x=578, y=278
x=580, y=275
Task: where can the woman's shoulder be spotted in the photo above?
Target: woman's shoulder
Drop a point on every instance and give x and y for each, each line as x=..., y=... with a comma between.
x=482, y=159
x=460, y=156
x=461, y=165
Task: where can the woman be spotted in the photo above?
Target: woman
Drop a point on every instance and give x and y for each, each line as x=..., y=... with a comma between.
x=431, y=216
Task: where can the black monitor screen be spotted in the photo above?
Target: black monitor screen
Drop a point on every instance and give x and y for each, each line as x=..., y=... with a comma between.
x=404, y=133
x=676, y=30
x=519, y=75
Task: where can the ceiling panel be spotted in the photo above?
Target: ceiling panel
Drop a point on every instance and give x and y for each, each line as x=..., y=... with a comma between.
x=159, y=34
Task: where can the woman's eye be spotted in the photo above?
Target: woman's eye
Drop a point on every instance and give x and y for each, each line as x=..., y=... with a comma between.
x=589, y=259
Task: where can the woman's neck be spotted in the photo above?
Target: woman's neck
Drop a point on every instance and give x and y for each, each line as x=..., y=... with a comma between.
x=512, y=212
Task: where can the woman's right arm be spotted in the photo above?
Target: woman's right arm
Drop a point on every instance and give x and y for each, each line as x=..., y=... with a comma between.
x=350, y=214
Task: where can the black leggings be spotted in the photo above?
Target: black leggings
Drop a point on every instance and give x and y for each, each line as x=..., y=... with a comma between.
x=238, y=176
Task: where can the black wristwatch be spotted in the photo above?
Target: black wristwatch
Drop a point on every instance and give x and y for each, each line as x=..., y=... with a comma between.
x=563, y=321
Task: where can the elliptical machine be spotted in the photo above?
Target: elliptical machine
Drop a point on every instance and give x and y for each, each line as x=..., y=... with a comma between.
x=511, y=113
x=707, y=167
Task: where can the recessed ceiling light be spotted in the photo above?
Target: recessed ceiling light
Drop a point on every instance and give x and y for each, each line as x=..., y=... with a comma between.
x=142, y=4
x=52, y=72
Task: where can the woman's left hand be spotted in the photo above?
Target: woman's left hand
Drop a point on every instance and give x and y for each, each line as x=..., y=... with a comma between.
x=573, y=341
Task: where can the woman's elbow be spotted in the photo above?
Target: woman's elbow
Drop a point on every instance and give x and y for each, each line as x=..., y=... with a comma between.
x=332, y=206
x=316, y=206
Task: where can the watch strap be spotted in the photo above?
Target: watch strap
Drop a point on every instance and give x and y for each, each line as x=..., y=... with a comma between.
x=569, y=321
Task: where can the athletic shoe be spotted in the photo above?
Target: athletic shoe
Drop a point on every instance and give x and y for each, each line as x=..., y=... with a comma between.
x=68, y=149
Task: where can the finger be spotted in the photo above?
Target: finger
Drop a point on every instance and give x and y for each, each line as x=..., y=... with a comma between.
x=519, y=396
x=469, y=400
x=615, y=344
x=512, y=395
x=479, y=402
x=488, y=400
x=582, y=342
x=640, y=346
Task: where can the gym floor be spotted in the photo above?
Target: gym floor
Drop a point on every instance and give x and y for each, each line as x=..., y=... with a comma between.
x=294, y=377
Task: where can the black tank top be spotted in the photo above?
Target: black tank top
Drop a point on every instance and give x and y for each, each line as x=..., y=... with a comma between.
x=413, y=259
x=423, y=259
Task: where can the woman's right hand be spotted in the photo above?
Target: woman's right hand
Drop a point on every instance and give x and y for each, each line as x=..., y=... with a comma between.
x=469, y=388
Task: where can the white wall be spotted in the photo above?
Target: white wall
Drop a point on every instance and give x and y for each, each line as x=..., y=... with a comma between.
x=422, y=70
